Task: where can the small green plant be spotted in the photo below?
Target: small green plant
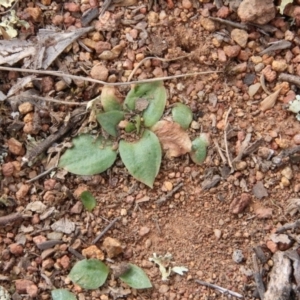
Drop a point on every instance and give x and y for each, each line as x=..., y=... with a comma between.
x=91, y=274
x=134, y=130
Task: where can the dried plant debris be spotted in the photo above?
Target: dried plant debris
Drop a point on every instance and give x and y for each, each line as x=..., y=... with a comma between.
x=279, y=45
x=293, y=206
x=50, y=45
x=164, y=262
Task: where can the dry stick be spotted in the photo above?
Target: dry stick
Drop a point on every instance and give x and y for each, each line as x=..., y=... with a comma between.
x=41, y=175
x=230, y=23
x=170, y=194
x=60, y=74
x=288, y=226
x=10, y=219
x=220, y=151
x=290, y=78
x=157, y=58
x=258, y=278
x=76, y=253
x=111, y=224
x=54, y=100
x=225, y=138
x=220, y=289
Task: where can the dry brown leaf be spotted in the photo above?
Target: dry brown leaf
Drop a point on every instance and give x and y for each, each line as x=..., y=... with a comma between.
x=269, y=102
x=174, y=140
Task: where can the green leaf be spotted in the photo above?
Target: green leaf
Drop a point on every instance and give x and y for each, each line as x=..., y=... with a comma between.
x=88, y=156
x=199, y=149
x=155, y=94
x=182, y=115
x=109, y=121
x=142, y=158
x=88, y=200
x=89, y=274
x=136, y=278
x=109, y=100
x=62, y=294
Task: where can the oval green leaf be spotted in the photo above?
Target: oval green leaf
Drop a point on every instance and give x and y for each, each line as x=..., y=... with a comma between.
x=109, y=100
x=199, y=149
x=62, y=294
x=155, y=94
x=89, y=274
x=88, y=200
x=182, y=115
x=109, y=121
x=142, y=158
x=88, y=156
x=136, y=278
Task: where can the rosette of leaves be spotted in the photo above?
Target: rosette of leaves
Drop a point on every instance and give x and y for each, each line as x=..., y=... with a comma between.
x=134, y=130
x=139, y=148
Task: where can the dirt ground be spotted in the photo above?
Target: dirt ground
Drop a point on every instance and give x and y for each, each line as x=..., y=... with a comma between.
x=203, y=223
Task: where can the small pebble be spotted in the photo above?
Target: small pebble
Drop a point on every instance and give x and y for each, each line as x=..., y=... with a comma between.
x=218, y=233
x=187, y=4
x=237, y=256
x=287, y=172
x=99, y=72
x=144, y=230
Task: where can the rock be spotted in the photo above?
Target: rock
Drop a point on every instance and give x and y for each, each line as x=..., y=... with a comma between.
x=232, y=51
x=25, y=108
x=259, y=190
x=25, y=286
x=144, y=230
x=15, y=147
x=223, y=12
x=102, y=46
x=107, y=55
x=187, y=4
x=287, y=172
x=65, y=262
x=163, y=289
x=257, y=11
x=279, y=65
x=112, y=247
x=239, y=204
x=8, y=169
x=237, y=256
x=16, y=249
x=22, y=192
x=99, y=72
x=153, y=17
x=218, y=233
x=296, y=140
x=263, y=212
x=35, y=13
x=272, y=246
x=240, y=37
x=208, y=24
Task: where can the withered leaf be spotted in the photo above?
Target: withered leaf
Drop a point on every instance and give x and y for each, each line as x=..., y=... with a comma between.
x=174, y=140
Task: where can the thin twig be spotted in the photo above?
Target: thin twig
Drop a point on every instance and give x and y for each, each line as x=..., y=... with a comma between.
x=220, y=151
x=48, y=99
x=258, y=278
x=162, y=199
x=60, y=74
x=157, y=58
x=40, y=175
x=5, y=220
x=111, y=224
x=76, y=253
x=230, y=23
x=290, y=78
x=225, y=138
x=220, y=289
